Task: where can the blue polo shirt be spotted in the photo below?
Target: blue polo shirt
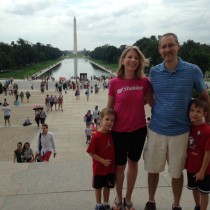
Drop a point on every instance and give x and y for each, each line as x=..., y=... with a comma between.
x=173, y=91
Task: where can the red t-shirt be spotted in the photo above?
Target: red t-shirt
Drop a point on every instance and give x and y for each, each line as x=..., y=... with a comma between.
x=102, y=145
x=129, y=98
x=199, y=142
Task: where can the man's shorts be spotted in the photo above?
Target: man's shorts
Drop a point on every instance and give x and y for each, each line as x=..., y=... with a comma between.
x=202, y=185
x=6, y=117
x=160, y=149
x=129, y=145
x=46, y=156
x=100, y=181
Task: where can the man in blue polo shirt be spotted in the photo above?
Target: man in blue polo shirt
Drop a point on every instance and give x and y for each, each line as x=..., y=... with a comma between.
x=173, y=82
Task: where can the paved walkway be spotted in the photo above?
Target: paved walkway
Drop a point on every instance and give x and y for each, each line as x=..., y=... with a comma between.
x=65, y=182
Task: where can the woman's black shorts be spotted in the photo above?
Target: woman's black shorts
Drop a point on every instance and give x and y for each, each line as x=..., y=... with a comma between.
x=129, y=145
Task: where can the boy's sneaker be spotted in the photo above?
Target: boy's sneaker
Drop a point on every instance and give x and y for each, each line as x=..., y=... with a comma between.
x=99, y=207
x=197, y=208
x=150, y=206
x=107, y=207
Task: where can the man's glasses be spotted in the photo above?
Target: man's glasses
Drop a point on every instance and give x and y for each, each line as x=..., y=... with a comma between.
x=169, y=46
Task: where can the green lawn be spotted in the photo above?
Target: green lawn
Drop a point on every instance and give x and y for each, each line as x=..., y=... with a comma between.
x=113, y=67
x=27, y=71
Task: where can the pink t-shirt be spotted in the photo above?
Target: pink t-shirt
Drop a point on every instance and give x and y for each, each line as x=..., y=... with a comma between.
x=129, y=98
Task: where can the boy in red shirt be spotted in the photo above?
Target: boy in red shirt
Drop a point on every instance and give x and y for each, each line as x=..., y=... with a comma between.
x=101, y=149
x=198, y=161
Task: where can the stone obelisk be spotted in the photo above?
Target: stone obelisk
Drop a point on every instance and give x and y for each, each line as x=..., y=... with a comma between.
x=75, y=48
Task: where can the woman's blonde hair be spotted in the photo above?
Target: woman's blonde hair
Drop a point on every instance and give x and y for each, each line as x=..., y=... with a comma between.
x=143, y=62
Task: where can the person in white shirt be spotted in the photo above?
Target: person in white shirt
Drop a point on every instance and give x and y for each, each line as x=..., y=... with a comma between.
x=96, y=115
x=46, y=144
x=6, y=109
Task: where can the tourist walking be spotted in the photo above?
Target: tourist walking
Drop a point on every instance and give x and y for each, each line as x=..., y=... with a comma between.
x=46, y=144
x=21, y=96
x=28, y=95
x=87, y=93
x=88, y=133
x=51, y=101
x=42, y=116
x=55, y=102
x=6, y=109
x=37, y=117
x=77, y=93
x=88, y=118
x=60, y=102
x=47, y=102
x=96, y=116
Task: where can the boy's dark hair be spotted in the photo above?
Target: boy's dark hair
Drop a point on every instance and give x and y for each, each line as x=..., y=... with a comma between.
x=107, y=111
x=200, y=103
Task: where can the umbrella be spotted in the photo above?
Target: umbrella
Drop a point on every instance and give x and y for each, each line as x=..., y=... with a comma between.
x=38, y=107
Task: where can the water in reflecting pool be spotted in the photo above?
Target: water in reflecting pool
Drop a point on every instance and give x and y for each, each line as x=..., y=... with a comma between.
x=66, y=69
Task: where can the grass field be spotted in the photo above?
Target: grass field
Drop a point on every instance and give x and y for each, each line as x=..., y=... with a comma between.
x=113, y=67
x=27, y=71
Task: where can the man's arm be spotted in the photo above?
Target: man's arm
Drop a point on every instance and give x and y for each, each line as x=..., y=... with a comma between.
x=149, y=96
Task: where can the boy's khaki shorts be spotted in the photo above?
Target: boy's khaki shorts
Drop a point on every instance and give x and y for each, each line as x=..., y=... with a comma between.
x=160, y=149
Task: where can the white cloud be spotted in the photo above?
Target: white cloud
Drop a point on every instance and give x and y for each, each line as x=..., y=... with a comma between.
x=102, y=22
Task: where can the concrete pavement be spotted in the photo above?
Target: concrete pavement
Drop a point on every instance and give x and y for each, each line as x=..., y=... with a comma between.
x=65, y=182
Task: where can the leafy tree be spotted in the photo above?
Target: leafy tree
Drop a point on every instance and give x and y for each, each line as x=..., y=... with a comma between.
x=149, y=47
x=190, y=51
x=22, y=53
x=196, y=53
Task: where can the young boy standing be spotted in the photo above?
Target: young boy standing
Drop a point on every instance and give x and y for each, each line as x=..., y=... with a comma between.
x=101, y=149
x=88, y=132
x=198, y=161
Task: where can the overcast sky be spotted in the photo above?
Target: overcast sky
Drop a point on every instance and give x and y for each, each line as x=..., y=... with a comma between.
x=100, y=22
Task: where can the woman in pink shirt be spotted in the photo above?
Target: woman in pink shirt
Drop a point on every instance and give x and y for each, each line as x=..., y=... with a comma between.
x=128, y=93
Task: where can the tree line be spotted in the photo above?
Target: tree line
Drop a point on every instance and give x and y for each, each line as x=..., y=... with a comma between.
x=190, y=51
x=22, y=53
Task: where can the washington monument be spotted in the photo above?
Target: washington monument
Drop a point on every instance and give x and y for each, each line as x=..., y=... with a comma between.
x=75, y=48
